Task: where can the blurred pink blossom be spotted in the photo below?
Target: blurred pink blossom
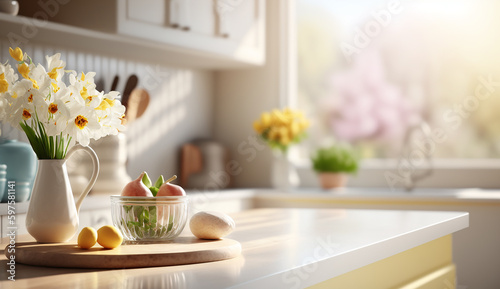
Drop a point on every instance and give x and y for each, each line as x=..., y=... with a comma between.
x=365, y=105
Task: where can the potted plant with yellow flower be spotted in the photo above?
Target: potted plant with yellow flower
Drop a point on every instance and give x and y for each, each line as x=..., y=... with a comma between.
x=280, y=129
x=333, y=164
x=58, y=117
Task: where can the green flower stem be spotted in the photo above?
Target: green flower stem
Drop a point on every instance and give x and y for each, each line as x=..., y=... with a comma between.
x=44, y=146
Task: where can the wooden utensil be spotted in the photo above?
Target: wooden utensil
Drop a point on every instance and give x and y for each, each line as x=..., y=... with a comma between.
x=137, y=104
x=115, y=83
x=180, y=251
x=99, y=84
x=191, y=162
x=130, y=85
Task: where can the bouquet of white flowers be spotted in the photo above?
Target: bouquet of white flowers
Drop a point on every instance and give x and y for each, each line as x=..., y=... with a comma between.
x=53, y=112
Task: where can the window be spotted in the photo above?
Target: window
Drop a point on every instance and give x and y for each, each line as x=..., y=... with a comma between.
x=369, y=71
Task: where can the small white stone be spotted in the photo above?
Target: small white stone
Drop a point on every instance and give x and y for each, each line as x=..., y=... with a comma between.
x=211, y=225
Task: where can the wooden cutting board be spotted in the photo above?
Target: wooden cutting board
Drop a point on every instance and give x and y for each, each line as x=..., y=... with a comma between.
x=181, y=251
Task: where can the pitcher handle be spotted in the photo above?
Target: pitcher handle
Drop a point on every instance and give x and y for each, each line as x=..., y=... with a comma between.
x=95, y=171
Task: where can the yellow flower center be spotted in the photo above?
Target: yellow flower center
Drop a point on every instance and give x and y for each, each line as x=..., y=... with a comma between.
x=84, y=93
x=55, y=86
x=105, y=104
x=83, y=76
x=52, y=108
x=110, y=101
x=53, y=73
x=26, y=114
x=17, y=53
x=14, y=95
x=30, y=98
x=35, y=85
x=81, y=121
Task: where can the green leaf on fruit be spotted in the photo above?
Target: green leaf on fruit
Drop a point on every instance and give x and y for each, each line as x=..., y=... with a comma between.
x=146, y=180
x=159, y=182
x=154, y=190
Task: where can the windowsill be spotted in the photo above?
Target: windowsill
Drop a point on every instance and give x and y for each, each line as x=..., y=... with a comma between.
x=445, y=173
x=384, y=164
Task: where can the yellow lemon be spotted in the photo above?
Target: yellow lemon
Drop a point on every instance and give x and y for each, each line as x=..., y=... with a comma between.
x=87, y=238
x=109, y=237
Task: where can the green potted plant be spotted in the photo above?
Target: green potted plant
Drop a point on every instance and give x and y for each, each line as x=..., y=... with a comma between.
x=333, y=164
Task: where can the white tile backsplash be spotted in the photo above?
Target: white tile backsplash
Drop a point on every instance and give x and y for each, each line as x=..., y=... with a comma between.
x=180, y=108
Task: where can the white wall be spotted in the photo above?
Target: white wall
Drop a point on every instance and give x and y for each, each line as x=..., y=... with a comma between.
x=241, y=96
x=180, y=108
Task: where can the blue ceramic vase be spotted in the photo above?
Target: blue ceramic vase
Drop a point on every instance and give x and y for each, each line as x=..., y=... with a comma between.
x=21, y=164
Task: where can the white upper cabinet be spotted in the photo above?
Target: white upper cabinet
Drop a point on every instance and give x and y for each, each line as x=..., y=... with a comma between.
x=197, y=16
x=209, y=34
x=232, y=29
x=147, y=11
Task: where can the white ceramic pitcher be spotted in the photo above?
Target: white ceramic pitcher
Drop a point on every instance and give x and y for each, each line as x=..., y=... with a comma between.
x=52, y=213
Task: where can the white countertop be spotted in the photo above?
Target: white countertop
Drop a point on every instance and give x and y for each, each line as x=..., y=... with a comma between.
x=280, y=248
x=471, y=195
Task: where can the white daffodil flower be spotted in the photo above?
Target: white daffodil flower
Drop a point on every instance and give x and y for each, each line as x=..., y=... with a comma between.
x=110, y=112
x=40, y=79
x=59, y=112
x=48, y=109
x=7, y=78
x=55, y=67
x=82, y=125
x=27, y=102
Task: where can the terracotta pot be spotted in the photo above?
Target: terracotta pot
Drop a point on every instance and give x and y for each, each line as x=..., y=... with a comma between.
x=332, y=180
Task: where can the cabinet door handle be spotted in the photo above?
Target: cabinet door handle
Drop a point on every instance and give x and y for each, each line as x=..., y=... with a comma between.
x=221, y=9
x=179, y=14
x=173, y=13
x=184, y=9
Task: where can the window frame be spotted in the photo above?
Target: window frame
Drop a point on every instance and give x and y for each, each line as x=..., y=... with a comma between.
x=446, y=173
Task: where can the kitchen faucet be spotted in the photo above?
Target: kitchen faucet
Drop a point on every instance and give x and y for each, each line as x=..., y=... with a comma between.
x=416, y=173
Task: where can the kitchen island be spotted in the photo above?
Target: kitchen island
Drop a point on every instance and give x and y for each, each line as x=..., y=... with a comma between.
x=294, y=248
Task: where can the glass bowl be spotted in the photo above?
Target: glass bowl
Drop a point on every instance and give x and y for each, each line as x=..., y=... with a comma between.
x=149, y=218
